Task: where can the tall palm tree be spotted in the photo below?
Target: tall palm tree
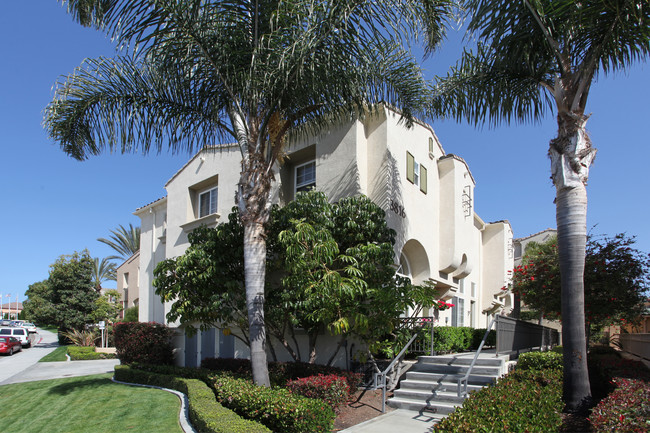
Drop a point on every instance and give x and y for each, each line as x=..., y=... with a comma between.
x=536, y=56
x=260, y=72
x=103, y=270
x=124, y=241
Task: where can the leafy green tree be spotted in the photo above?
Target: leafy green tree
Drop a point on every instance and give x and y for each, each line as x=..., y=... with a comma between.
x=131, y=314
x=103, y=270
x=258, y=72
x=73, y=293
x=107, y=307
x=38, y=306
x=125, y=241
x=534, y=56
x=330, y=268
x=616, y=280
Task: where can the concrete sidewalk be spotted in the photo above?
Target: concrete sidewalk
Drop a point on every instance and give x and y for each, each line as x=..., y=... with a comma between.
x=399, y=420
x=58, y=370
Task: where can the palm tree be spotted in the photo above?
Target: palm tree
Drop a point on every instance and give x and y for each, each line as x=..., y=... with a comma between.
x=535, y=56
x=103, y=270
x=258, y=72
x=125, y=241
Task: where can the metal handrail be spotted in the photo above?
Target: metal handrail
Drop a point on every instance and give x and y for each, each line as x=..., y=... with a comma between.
x=462, y=381
x=382, y=375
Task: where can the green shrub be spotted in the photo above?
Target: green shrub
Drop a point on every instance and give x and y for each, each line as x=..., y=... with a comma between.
x=148, y=343
x=332, y=389
x=626, y=409
x=131, y=314
x=82, y=353
x=452, y=339
x=477, y=337
x=522, y=401
x=281, y=372
x=206, y=415
x=276, y=408
x=540, y=361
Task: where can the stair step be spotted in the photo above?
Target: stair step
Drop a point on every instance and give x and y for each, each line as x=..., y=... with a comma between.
x=473, y=379
x=456, y=369
x=464, y=360
x=435, y=386
x=428, y=396
x=441, y=408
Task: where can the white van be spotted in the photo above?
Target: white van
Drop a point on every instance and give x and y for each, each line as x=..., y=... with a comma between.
x=19, y=333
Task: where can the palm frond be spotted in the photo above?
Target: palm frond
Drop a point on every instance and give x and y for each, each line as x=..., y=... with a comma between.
x=125, y=241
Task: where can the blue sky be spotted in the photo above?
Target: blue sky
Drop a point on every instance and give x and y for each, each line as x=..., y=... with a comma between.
x=53, y=205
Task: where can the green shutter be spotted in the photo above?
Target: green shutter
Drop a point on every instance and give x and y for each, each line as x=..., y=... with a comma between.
x=423, y=179
x=410, y=167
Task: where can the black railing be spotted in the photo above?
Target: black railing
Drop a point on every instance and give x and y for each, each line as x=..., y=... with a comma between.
x=424, y=327
x=516, y=336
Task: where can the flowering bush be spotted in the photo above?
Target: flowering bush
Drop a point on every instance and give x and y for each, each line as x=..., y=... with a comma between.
x=441, y=305
x=626, y=409
x=332, y=389
x=148, y=343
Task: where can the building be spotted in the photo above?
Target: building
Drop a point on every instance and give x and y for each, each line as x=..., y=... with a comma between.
x=128, y=275
x=428, y=196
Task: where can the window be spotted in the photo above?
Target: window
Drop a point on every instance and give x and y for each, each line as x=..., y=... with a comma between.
x=458, y=312
x=208, y=202
x=416, y=173
x=306, y=176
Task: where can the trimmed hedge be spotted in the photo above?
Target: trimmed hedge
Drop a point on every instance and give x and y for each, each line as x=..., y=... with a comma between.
x=454, y=339
x=540, y=361
x=82, y=353
x=148, y=343
x=276, y=408
x=282, y=372
x=206, y=415
x=522, y=401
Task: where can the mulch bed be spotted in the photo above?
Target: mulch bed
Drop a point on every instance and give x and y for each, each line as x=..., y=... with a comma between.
x=365, y=405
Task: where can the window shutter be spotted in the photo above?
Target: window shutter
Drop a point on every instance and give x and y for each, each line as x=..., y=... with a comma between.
x=423, y=179
x=410, y=167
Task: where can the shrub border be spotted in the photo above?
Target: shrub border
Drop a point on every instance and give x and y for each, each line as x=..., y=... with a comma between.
x=183, y=416
x=206, y=414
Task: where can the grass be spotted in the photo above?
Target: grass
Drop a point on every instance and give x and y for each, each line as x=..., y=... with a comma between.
x=88, y=404
x=57, y=355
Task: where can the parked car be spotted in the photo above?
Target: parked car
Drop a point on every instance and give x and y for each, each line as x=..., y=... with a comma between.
x=10, y=345
x=19, y=333
x=5, y=322
x=31, y=328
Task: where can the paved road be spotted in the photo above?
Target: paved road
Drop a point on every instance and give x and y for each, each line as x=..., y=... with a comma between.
x=24, y=366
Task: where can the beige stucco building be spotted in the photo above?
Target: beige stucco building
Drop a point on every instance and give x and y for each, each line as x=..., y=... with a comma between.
x=428, y=196
x=128, y=275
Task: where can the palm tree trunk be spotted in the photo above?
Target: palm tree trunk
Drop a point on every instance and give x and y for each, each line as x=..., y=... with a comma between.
x=571, y=155
x=254, y=272
x=572, y=234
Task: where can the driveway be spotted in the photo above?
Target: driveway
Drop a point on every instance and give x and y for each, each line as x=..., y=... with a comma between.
x=24, y=365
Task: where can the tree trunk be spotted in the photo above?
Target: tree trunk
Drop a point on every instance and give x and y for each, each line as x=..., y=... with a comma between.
x=254, y=274
x=571, y=155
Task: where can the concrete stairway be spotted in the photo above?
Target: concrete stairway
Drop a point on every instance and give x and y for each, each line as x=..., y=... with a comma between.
x=431, y=385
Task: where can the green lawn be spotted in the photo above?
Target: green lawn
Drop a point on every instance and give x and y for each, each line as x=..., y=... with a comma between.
x=87, y=404
x=57, y=355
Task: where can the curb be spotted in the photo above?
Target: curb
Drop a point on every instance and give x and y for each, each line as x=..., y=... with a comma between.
x=183, y=416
